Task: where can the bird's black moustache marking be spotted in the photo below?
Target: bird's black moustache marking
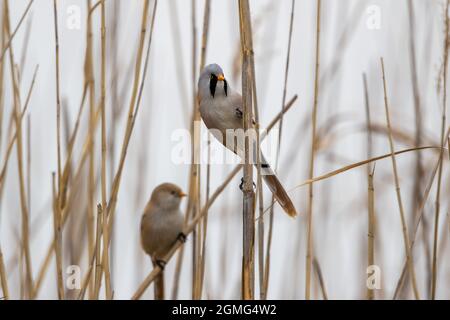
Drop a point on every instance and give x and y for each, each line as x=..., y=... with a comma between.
x=213, y=84
x=225, y=86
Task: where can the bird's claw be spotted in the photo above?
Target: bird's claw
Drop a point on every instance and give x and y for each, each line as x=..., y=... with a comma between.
x=241, y=185
x=161, y=264
x=181, y=237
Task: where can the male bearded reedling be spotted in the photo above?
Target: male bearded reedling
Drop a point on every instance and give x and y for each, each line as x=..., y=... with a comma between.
x=161, y=226
x=221, y=109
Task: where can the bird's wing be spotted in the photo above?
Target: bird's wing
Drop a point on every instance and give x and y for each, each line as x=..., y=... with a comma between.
x=236, y=103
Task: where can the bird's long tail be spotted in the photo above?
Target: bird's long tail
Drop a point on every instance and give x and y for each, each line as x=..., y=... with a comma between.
x=277, y=188
x=159, y=286
x=272, y=181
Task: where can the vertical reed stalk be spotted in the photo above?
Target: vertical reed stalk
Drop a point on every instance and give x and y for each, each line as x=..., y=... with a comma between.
x=248, y=276
x=441, y=155
x=23, y=197
x=194, y=180
x=370, y=190
x=90, y=79
x=2, y=76
x=309, y=245
x=58, y=240
x=98, y=264
x=58, y=100
x=397, y=189
x=266, y=270
x=3, y=277
x=419, y=214
x=12, y=35
x=132, y=114
x=105, y=258
x=418, y=175
x=204, y=223
x=58, y=199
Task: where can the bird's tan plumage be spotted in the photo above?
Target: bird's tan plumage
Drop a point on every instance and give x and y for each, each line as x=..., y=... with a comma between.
x=161, y=224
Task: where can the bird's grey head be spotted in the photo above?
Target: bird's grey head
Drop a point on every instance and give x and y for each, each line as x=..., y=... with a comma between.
x=212, y=82
x=167, y=196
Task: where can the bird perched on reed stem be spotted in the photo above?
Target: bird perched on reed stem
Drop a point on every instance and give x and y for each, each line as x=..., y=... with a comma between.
x=221, y=110
x=161, y=226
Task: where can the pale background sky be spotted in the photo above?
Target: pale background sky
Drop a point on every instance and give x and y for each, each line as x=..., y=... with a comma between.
x=340, y=216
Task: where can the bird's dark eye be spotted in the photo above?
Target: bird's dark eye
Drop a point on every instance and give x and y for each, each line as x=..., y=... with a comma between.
x=172, y=192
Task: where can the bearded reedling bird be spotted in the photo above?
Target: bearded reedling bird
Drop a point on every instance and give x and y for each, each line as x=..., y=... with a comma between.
x=221, y=109
x=161, y=226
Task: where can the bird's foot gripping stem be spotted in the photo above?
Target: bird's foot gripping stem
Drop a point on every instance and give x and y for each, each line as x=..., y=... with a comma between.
x=181, y=237
x=241, y=185
x=161, y=264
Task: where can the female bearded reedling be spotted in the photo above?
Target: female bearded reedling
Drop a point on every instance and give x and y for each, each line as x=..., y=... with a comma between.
x=161, y=226
x=221, y=110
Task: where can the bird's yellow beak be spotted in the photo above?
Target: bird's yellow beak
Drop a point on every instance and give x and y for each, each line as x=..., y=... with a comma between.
x=220, y=77
x=182, y=194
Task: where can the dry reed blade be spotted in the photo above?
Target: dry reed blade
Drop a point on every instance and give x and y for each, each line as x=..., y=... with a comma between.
x=90, y=79
x=11, y=36
x=105, y=255
x=132, y=114
x=98, y=264
x=441, y=155
x=202, y=255
x=370, y=190
x=3, y=277
x=264, y=282
x=14, y=137
x=419, y=213
x=309, y=243
x=397, y=189
x=23, y=197
x=320, y=277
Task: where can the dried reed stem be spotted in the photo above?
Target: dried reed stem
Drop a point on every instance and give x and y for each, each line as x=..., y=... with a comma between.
x=58, y=240
x=11, y=36
x=65, y=211
x=418, y=175
x=98, y=264
x=195, y=171
x=3, y=277
x=248, y=271
x=67, y=166
x=309, y=244
x=419, y=213
x=204, y=223
x=2, y=78
x=14, y=137
x=441, y=155
x=370, y=190
x=132, y=114
x=109, y=214
x=320, y=277
x=397, y=189
x=359, y=164
x=266, y=269
x=89, y=77
x=105, y=257
x=23, y=196
x=58, y=100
